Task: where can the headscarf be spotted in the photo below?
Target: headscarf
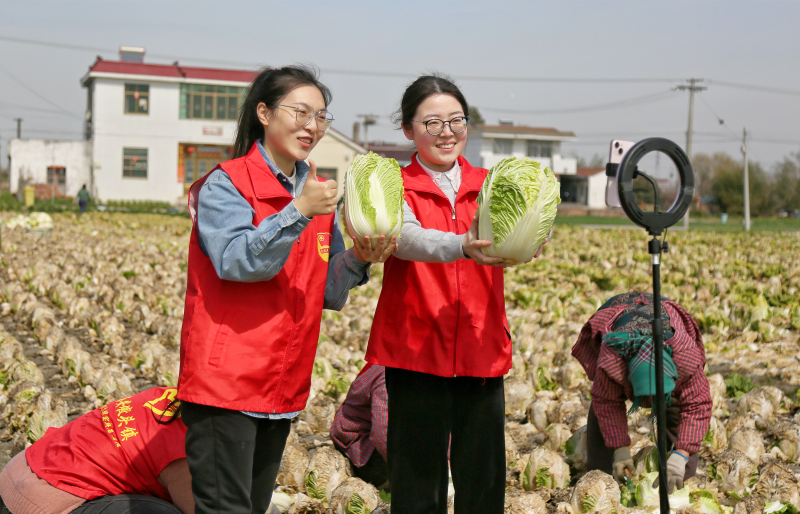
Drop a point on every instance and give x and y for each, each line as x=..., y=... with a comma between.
x=638, y=351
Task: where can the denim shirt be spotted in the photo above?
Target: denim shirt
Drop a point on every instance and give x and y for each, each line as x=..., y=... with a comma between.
x=243, y=252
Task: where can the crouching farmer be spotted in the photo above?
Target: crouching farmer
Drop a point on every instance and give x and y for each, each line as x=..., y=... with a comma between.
x=125, y=457
x=359, y=429
x=616, y=349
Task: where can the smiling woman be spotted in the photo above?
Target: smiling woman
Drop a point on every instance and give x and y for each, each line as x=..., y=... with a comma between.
x=440, y=327
x=265, y=235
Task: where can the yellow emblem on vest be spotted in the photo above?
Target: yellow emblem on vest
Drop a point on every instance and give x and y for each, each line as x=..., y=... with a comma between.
x=168, y=395
x=324, y=245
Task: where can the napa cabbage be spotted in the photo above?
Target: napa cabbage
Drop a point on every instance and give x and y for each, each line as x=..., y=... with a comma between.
x=373, y=197
x=518, y=203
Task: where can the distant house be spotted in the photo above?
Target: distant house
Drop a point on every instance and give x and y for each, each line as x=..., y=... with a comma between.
x=586, y=188
x=153, y=129
x=401, y=153
x=489, y=144
x=63, y=166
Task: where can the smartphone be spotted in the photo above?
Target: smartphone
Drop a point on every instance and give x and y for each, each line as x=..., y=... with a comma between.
x=615, y=154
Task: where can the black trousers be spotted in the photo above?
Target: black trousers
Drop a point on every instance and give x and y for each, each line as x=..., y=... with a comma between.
x=233, y=458
x=424, y=412
x=599, y=456
x=120, y=504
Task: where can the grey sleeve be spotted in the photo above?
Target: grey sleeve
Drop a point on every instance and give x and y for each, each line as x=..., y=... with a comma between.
x=426, y=245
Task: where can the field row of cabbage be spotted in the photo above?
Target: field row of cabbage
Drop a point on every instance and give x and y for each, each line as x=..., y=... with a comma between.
x=92, y=313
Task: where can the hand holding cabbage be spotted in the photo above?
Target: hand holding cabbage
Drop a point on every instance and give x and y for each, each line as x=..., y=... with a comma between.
x=518, y=203
x=374, y=206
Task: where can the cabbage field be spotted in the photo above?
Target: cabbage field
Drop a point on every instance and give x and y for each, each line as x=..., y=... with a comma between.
x=91, y=311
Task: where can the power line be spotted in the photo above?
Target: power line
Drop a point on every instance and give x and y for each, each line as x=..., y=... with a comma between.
x=753, y=87
x=18, y=81
x=653, y=97
x=30, y=108
x=337, y=71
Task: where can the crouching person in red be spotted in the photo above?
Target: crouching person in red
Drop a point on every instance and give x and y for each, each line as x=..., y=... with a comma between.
x=616, y=350
x=359, y=428
x=126, y=457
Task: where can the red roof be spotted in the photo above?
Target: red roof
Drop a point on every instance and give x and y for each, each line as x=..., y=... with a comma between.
x=589, y=172
x=172, y=70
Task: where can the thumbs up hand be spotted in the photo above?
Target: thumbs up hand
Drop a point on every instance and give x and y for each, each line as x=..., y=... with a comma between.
x=317, y=198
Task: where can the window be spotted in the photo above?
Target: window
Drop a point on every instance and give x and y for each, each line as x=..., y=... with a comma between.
x=206, y=102
x=327, y=173
x=137, y=98
x=57, y=179
x=503, y=146
x=134, y=162
x=539, y=149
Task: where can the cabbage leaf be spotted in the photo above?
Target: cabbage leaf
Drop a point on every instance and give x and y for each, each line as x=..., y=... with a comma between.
x=373, y=197
x=518, y=203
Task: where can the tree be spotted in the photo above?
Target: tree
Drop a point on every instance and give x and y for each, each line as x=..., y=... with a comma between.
x=475, y=117
x=597, y=161
x=786, y=185
x=728, y=189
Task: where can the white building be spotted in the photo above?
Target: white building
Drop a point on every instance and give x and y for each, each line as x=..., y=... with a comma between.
x=587, y=188
x=489, y=144
x=153, y=129
x=64, y=165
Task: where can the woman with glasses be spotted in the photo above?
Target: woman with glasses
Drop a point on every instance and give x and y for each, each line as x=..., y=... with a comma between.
x=265, y=257
x=440, y=327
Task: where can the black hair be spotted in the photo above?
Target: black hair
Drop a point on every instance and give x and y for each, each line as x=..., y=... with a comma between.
x=269, y=87
x=434, y=84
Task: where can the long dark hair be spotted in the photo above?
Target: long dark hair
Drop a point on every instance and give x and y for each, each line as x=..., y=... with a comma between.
x=269, y=87
x=423, y=87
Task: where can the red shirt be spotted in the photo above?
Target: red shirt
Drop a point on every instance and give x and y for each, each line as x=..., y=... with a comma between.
x=360, y=423
x=446, y=319
x=251, y=345
x=611, y=386
x=117, y=449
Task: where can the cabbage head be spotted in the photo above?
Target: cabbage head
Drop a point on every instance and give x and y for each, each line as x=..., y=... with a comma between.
x=373, y=197
x=518, y=204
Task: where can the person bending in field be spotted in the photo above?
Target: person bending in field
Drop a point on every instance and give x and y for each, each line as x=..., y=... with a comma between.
x=359, y=428
x=125, y=457
x=615, y=348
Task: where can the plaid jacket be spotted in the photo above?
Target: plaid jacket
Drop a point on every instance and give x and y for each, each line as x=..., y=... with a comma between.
x=611, y=386
x=360, y=423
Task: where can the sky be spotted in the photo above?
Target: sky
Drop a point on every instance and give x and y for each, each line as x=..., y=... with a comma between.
x=602, y=69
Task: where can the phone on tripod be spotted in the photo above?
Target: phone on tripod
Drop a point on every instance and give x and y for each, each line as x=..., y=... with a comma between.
x=617, y=151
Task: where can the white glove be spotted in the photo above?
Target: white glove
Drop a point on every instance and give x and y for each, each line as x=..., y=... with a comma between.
x=622, y=461
x=676, y=469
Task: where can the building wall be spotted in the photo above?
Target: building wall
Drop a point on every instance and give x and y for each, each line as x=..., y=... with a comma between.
x=160, y=131
x=332, y=153
x=597, y=191
x=482, y=152
x=30, y=159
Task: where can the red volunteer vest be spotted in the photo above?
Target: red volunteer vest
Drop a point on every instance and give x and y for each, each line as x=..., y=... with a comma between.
x=251, y=345
x=446, y=319
x=116, y=449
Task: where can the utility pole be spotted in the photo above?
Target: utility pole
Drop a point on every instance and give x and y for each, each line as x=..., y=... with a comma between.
x=19, y=127
x=369, y=119
x=746, y=185
x=692, y=88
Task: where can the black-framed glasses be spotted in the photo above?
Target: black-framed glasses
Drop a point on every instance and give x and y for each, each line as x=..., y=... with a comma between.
x=303, y=114
x=436, y=126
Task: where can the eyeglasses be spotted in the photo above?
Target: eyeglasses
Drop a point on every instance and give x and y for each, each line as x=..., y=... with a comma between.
x=436, y=126
x=303, y=115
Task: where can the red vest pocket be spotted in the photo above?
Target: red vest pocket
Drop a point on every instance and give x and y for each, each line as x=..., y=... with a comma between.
x=215, y=356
